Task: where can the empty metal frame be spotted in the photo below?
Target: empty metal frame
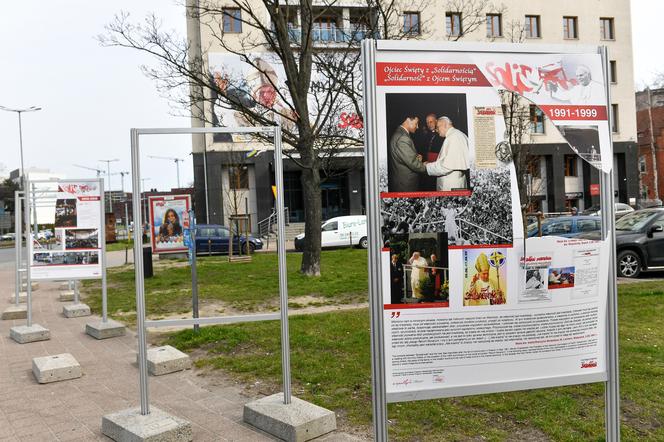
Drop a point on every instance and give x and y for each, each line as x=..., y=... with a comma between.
x=142, y=323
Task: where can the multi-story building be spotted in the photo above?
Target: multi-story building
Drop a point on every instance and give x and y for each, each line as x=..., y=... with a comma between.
x=650, y=131
x=564, y=180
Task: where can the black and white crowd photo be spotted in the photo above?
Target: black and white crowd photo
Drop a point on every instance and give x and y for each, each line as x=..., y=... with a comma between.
x=484, y=217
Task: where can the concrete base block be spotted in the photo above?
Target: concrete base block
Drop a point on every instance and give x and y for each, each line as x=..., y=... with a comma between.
x=66, y=296
x=15, y=312
x=24, y=286
x=105, y=330
x=76, y=310
x=22, y=298
x=64, y=285
x=24, y=334
x=295, y=422
x=56, y=368
x=166, y=359
x=130, y=425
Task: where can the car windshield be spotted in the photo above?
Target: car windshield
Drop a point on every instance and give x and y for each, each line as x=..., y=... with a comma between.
x=635, y=221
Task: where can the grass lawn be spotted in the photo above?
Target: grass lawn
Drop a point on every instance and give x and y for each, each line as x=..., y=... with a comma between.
x=238, y=286
x=331, y=367
x=119, y=245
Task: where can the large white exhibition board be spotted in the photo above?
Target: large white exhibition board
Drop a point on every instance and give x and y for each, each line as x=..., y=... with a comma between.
x=74, y=252
x=469, y=305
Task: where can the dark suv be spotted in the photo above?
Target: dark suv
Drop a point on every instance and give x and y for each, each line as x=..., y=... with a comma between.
x=639, y=242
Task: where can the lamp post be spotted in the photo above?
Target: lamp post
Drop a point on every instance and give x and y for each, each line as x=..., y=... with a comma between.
x=20, y=133
x=108, y=174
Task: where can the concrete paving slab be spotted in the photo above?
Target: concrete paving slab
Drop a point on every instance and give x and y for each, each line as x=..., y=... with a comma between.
x=105, y=330
x=130, y=425
x=56, y=368
x=15, y=312
x=24, y=334
x=76, y=310
x=295, y=422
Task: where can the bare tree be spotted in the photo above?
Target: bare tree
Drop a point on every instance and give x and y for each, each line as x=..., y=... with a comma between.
x=321, y=83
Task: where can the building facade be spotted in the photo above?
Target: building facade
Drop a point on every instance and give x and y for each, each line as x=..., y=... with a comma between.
x=561, y=179
x=650, y=131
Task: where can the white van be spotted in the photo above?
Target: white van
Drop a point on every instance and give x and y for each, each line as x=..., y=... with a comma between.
x=341, y=231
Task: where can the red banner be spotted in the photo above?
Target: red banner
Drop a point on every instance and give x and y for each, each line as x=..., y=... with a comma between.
x=594, y=189
x=429, y=74
x=558, y=112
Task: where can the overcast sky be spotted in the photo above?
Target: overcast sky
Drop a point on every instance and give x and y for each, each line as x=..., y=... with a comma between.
x=91, y=96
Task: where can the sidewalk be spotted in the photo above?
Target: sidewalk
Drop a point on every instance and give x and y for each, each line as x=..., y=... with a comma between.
x=73, y=409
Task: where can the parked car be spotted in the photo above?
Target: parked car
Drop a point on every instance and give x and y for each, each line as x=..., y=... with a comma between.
x=639, y=242
x=566, y=226
x=622, y=209
x=340, y=231
x=8, y=237
x=214, y=238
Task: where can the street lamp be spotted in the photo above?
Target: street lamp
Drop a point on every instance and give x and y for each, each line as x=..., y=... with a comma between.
x=108, y=171
x=20, y=133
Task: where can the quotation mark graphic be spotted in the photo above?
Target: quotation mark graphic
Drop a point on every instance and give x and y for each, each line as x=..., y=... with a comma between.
x=395, y=315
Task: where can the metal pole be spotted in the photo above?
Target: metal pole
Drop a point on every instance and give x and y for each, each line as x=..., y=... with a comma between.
x=20, y=142
x=104, y=285
x=379, y=394
x=612, y=385
x=34, y=211
x=281, y=252
x=177, y=171
x=126, y=230
x=194, y=270
x=76, y=295
x=28, y=240
x=139, y=277
x=205, y=182
x=18, y=232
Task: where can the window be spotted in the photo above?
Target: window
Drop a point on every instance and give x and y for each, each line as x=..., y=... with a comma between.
x=533, y=26
x=223, y=232
x=614, y=117
x=232, y=20
x=411, y=23
x=330, y=227
x=557, y=227
x=570, y=165
x=613, y=73
x=570, y=28
x=325, y=28
x=238, y=177
x=453, y=24
x=534, y=167
x=606, y=29
x=587, y=225
x=494, y=25
x=536, y=120
x=643, y=168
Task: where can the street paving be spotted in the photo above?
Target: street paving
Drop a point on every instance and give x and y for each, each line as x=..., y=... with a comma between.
x=73, y=409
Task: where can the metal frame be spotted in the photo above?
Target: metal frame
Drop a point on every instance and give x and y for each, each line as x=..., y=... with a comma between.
x=379, y=395
x=18, y=241
x=31, y=202
x=142, y=323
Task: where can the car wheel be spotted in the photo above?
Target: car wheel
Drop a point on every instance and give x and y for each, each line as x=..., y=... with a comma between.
x=364, y=243
x=248, y=248
x=629, y=264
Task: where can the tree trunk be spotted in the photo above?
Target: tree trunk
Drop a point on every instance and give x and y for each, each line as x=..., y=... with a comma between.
x=312, y=216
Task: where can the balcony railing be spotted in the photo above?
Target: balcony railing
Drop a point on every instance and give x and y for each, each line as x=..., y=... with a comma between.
x=331, y=35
